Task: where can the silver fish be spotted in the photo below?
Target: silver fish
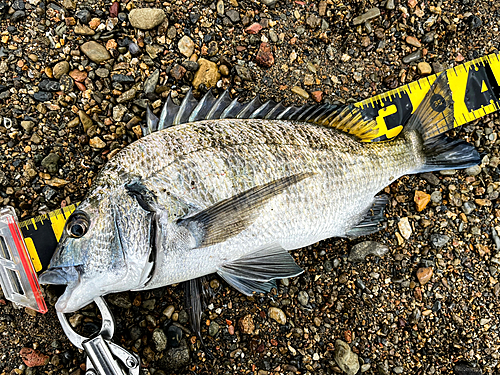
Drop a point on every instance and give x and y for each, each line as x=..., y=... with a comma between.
x=233, y=196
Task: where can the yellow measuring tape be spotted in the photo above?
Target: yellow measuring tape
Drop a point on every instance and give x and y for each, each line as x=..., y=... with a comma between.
x=476, y=91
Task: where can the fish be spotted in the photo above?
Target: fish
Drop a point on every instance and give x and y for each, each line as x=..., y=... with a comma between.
x=221, y=187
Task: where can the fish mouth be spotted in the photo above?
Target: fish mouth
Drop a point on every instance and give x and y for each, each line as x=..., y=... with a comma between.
x=63, y=276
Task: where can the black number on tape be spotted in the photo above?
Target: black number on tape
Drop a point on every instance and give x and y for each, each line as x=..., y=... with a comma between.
x=482, y=87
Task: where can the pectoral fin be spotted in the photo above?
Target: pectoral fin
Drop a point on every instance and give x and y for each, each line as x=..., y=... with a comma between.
x=233, y=215
x=373, y=221
x=256, y=272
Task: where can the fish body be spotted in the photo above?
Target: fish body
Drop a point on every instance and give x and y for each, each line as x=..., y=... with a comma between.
x=233, y=196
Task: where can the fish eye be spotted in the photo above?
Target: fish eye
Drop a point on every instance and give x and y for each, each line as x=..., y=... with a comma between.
x=77, y=225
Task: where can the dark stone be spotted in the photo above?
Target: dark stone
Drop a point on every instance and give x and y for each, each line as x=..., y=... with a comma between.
x=135, y=333
x=177, y=72
x=48, y=85
x=122, y=78
x=243, y=72
x=49, y=193
x=17, y=16
x=175, y=358
x=133, y=48
x=42, y=96
x=463, y=368
x=67, y=82
x=233, y=15
x=414, y=56
x=18, y=5
x=122, y=16
x=475, y=22
x=83, y=15
x=429, y=37
x=50, y=162
x=439, y=240
x=194, y=17
x=192, y=66
x=174, y=336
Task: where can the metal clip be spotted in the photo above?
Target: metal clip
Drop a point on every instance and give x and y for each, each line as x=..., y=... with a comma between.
x=103, y=356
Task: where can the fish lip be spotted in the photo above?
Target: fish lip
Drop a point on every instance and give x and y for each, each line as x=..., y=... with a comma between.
x=59, y=276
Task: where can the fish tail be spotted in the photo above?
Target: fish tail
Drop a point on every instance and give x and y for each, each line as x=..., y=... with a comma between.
x=433, y=117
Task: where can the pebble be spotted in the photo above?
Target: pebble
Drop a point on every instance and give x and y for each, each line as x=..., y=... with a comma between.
x=473, y=171
x=169, y=311
x=424, y=68
x=421, y=199
x=468, y=207
x=102, y=72
x=220, y=7
x=177, y=72
x=120, y=299
x=208, y=74
x=254, y=28
x=83, y=15
x=151, y=82
x=27, y=125
x=126, y=96
x=17, y=16
x=361, y=250
x=97, y=142
x=303, y=298
x=277, y=314
x=466, y=369
x=424, y=274
x=33, y=358
x=300, y=91
x=95, y=52
x=370, y=14
x=405, y=227
x=414, y=56
x=175, y=358
x=265, y=56
x=345, y=358
x=84, y=30
x=233, y=15
x=390, y=5
x=50, y=162
x=60, y=69
x=85, y=120
x=317, y=96
x=42, y=96
x=159, y=339
x=186, y=46
x=412, y=41
x=213, y=329
x=246, y=325
x=439, y=240
x=174, y=336
x=146, y=18
x=436, y=197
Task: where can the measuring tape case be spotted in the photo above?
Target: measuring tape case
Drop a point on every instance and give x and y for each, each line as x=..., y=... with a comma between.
x=26, y=247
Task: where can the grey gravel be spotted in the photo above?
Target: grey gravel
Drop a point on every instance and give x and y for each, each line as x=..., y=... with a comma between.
x=361, y=250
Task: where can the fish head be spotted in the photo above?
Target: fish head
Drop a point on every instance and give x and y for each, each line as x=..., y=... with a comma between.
x=89, y=258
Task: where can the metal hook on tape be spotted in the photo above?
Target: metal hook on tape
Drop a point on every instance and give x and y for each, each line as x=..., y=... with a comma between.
x=103, y=356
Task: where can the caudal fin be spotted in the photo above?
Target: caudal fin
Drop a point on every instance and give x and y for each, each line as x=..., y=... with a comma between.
x=433, y=117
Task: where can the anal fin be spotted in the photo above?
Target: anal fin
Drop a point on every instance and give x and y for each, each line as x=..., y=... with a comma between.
x=256, y=272
x=373, y=220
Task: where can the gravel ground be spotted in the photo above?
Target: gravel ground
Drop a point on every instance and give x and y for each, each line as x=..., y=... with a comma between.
x=75, y=79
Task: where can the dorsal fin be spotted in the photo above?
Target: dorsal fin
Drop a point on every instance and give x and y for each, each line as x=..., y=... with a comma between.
x=347, y=119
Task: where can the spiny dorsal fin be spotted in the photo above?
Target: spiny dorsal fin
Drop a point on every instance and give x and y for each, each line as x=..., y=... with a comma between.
x=346, y=119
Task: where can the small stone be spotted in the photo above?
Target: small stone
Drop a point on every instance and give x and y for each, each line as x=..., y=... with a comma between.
x=208, y=74
x=97, y=142
x=412, y=41
x=169, y=311
x=95, y=52
x=421, y=199
x=424, y=68
x=405, y=227
x=42, y=96
x=149, y=304
x=83, y=15
x=32, y=358
x=254, y=28
x=85, y=120
x=473, y=171
x=175, y=358
x=151, y=82
x=370, y=14
x=78, y=75
x=361, y=250
x=345, y=358
x=84, y=30
x=102, y=72
x=60, y=68
x=50, y=162
x=436, y=197
x=177, y=72
x=233, y=15
x=27, y=125
x=220, y=7
x=159, y=339
x=126, y=96
x=468, y=207
x=466, y=369
x=17, y=16
x=390, y=6
x=114, y=9
x=174, y=336
x=317, y=96
x=213, y=329
x=424, y=275
x=300, y=91
x=303, y=298
x=439, y=240
x=224, y=70
x=120, y=299
x=75, y=320
x=265, y=56
x=186, y=46
x=414, y=56
x=246, y=325
x=277, y=314
x=146, y=18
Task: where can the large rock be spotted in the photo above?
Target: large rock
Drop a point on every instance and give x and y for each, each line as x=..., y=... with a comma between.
x=146, y=18
x=95, y=52
x=345, y=358
x=208, y=74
